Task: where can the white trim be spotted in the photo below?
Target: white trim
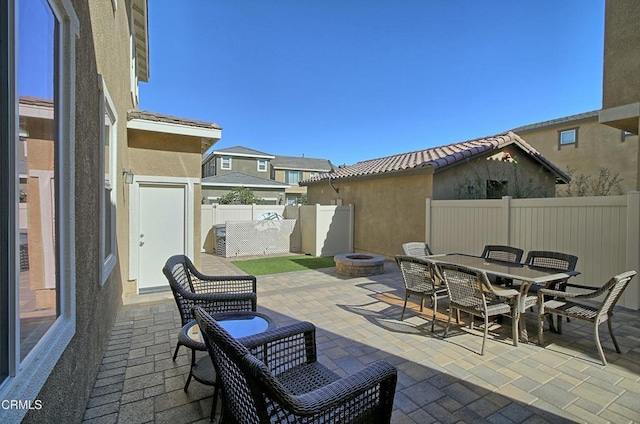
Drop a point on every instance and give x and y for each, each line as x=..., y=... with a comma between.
x=206, y=184
x=107, y=107
x=134, y=214
x=266, y=165
x=241, y=155
x=33, y=111
x=286, y=168
x=226, y=168
x=173, y=128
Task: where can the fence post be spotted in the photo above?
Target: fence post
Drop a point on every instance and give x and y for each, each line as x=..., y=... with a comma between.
x=631, y=299
x=506, y=219
x=427, y=222
x=351, y=226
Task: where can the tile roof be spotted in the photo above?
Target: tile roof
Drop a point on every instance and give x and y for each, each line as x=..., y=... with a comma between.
x=36, y=101
x=301, y=163
x=558, y=121
x=157, y=117
x=239, y=179
x=438, y=158
x=244, y=151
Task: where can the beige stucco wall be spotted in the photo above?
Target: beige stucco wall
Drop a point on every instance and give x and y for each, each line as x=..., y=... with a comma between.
x=389, y=210
x=621, y=75
x=526, y=178
x=599, y=146
x=110, y=32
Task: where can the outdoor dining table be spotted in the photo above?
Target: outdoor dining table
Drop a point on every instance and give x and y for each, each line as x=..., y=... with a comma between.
x=526, y=274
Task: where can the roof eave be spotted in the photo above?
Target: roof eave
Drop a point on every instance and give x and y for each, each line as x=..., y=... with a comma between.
x=141, y=34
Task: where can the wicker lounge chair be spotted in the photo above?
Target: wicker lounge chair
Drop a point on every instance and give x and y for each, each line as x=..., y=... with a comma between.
x=417, y=248
x=274, y=377
x=213, y=293
x=419, y=280
x=597, y=314
x=470, y=291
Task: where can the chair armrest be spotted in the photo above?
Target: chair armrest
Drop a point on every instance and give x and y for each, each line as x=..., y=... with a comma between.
x=505, y=293
x=347, y=389
x=217, y=297
x=570, y=295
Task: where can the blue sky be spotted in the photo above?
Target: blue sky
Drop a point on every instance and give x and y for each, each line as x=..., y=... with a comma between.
x=361, y=79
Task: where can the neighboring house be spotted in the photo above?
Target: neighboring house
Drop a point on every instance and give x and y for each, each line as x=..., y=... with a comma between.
x=269, y=191
x=274, y=179
x=584, y=145
x=293, y=169
x=102, y=193
x=389, y=193
x=234, y=167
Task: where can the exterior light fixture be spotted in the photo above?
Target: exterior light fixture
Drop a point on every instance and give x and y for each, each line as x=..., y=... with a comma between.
x=128, y=176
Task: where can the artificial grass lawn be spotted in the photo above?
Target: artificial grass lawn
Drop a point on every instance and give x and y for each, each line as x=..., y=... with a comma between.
x=277, y=265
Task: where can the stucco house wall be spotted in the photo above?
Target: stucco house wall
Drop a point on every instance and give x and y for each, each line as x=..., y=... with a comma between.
x=526, y=177
x=389, y=210
x=621, y=79
x=598, y=146
x=242, y=164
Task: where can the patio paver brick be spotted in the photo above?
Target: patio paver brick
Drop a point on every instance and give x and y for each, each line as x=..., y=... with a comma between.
x=357, y=319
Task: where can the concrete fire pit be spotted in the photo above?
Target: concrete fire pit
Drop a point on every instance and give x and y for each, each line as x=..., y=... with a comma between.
x=359, y=264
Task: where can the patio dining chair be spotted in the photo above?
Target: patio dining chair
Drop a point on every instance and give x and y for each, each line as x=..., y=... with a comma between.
x=552, y=260
x=594, y=313
x=419, y=280
x=417, y=248
x=502, y=253
x=470, y=291
x=214, y=294
x=274, y=377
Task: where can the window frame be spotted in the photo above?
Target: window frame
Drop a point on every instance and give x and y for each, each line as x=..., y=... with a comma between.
x=262, y=161
x=226, y=168
x=107, y=108
x=289, y=173
x=25, y=379
x=567, y=130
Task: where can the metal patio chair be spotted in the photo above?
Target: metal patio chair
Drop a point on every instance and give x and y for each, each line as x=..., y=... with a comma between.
x=502, y=253
x=419, y=279
x=596, y=314
x=274, y=377
x=214, y=294
x=417, y=248
x=470, y=291
x=552, y=260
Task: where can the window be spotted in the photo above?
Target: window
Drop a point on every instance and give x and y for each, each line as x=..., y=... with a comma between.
x=497, y=189
x=568, y=137
x=225, y=162
x=109, y=119
x=293, y=177
x=262, y=165
x=37, y=237
x=292, y=200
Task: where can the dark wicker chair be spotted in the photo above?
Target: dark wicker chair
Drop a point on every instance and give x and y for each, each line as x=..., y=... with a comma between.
x=558, y=305
x=552, y=260
x=274, y=377
x=417, y=248
x=502, y=253
x=419, y=280
x=470, y=291
x=214, y=294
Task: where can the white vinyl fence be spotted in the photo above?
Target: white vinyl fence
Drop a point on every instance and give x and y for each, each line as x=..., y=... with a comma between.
x=603, y=232
x=315, y=230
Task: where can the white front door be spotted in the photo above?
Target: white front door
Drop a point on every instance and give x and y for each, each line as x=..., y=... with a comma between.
x=161, y=232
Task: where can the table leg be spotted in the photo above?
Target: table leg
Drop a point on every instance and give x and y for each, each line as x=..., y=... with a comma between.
x=524, y=289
